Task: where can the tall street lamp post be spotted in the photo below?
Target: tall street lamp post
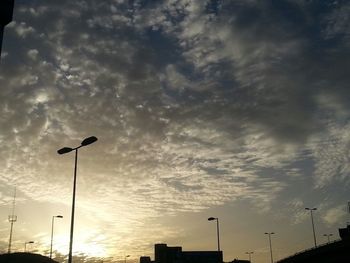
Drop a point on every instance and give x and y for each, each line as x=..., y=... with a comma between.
x=217, y=229
x=64, y=150
x=269, y=234
x=328, y=237
x=52, y=223
x=25, y=245
x=312, y=222
x=250, y=255
x=126, y=257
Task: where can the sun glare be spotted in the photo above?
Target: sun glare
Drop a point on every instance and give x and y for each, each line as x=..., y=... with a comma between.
x=86, y=244
x=91, y=249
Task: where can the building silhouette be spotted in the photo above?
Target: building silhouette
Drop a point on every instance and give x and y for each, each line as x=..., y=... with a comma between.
x=6, y=11
x=344, y=233
x=165, y=254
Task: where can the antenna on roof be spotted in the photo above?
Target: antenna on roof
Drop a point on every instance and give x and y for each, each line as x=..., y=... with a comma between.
x=12, y=218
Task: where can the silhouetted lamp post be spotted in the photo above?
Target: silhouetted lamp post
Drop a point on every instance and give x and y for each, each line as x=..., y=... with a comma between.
x=250, y=255
x=25, y=245
x=270, y=233
x=126, y=257
x=312, y=222
x=217, y=229
x=64, y=150
x=52, y=223
x=12, y=219
x=328, y=237
x=6, y=12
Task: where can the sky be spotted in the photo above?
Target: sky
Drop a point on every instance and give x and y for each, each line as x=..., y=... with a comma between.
x=233, y=109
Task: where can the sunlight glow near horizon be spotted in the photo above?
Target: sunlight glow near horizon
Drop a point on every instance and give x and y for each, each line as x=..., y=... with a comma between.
x=85, y=243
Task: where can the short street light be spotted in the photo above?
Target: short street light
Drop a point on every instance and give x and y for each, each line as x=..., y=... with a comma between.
x=328, y=237
x=217, y=229
x=25, y=245
x=312, y=222
x=52, y=223
x=270, y=233
x=126, y=257
x=64, y=150
x=250, y=255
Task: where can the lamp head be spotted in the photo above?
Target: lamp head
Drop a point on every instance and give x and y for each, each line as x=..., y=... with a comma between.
x=64, y=150
x=88, y=140
x=211, y=218
x=307, y=208
x=59, y=216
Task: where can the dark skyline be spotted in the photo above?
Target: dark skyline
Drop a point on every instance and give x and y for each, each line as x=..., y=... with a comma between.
x=230, y=109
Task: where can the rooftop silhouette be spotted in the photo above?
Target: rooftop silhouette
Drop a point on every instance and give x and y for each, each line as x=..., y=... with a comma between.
x=165, y=254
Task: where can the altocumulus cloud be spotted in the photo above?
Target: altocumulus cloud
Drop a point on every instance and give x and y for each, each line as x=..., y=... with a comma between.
x=195, y=103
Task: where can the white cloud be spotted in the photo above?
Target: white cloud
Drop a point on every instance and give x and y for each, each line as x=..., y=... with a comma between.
x=22, y=29
x=33, y=53
x=330, y=153
x=335, y=215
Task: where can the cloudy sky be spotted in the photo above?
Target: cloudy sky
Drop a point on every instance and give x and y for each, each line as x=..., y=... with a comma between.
x=236, y=109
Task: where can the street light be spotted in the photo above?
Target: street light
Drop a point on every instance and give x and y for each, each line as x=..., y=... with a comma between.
x=312, y=221
x=52, y=223
x=64, y=150
x=328, y=237
x=25, y=245
x=270, y=233
x=126, y=257
x=12, y=219
x=250, y=255
x=217, y=229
